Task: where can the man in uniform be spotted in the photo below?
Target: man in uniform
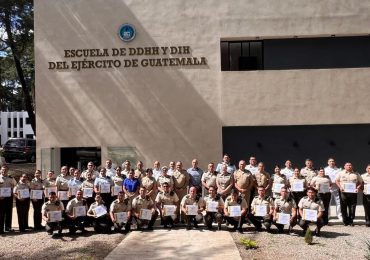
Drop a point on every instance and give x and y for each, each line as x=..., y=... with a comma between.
x=192, y=199
x=288, y=170
x=226, y=160
x=126, y=168
x=110, y=169
x=156, y=169
x=180, y=184
x=243, y=181
x=36, y=184
x=235, y=200
x=53, y=204
x=252, y=166
x=171, y=168
x=22, y=202
x=117, y=206
x=143, y=201
x=195, y=174
x=166, y=198
x=90, y=169
x=74, y=184
x=101, y=180
x=348, y=200
x=209, y=178
x=366, y=196
x=224, y=182
x=312, y=203
x=286, y=205
x=268, y=204
x=62, y=182
x=308, y=172
x=164, y=178
x=332, y=170
x=139, y=171
x=73, y=221
x=6, y=202
x=214, y=215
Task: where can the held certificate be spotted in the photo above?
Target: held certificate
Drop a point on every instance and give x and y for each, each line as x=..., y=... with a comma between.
x=323, y=188
x=100, y=211
x=192, y=210
x=50, y=189
x=73, y=190
x=55, y=216
x=283, y=219
x=36, y=194
x=79, y=211
x=87, y=192
x=261, y=210
x=104, y=188
x=121, y=217
x=212, y=206
x=277, y=187
x=63, y=195
x=5, y=192
x=235, y=211
x=297, y=186
x=116, y=190
x=169, y=210
x=367, y=189
x=310, y=215
x=350, y=187
x=145, y=214
x=24, y=193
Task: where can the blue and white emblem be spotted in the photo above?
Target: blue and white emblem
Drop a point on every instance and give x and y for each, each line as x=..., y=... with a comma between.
x=127, y=32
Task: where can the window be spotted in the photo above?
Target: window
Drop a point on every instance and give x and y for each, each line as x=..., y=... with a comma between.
x=28, y=122
x=20, y=133
x=21, y=123
x=29, y=136
x=9, y=122
x=15, y=134
x=15, y=122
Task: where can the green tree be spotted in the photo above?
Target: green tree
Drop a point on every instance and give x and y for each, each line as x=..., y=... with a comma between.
x=16, y=27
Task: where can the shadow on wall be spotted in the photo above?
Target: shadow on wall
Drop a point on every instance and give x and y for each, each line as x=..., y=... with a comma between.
x=152, y=109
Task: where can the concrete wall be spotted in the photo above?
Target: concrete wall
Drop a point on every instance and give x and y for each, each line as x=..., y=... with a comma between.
x=178, y=113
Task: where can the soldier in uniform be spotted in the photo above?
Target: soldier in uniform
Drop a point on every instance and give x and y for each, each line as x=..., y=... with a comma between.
x=209, y=178
x=76, y=222
x=244, y=181
x=252, y=166
x=74, y=184
x=348, y=200
x=166, y=198
x=180, y=184
x=109, y=167
x=224, y=182
x=103, y=179
x=226, y=160
x=121, y=205
x=308, y=172
x=277, y=180
x=366, y=195
x=62, y=182
x=288, y=171
x=143, y=201
x=139, y=171
x=37, y=184
x=286, y=205
x=235, y=200
x=171, y=168
x=150, y=184
x=126, y=168
x=295, y=194
x=90, y=169
x=102, y=224
x=268, y=203
x=164, y=178
x=313, y=203
x=262, y=178
x=117, y=180
x=195, y=174
x=192, y=199
x=88, y=183
x=53, y=204
x=49, y=182
x=322, y=184
x=6, y=202
x=212, y=216
x=22, y=202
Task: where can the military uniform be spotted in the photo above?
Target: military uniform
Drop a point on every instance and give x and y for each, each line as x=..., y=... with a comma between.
x=37, y=184
x=267, y=219
x=139, y=203
x=121, y=206
x=285, y=205
x=180, y=185
x=320, y=184
x=78, y=222
x=52, y=206
x=297, y=195
x=316, y=204
x=162, y=179
x=103, y=223
x=6, y=203
x=237, y=222
x=163, y=199
x=107, y=197
x=262, y=179
x=348, y=200
x=308, y=174
x=48, y=183
x=88, y=184
x=94, y=174
x=198, y=201
x=62, y=185
x=22, y=205
x=214, y=216
x=149, y=183
x=278, y=179
x=366, y=198
x=210, y=179
x=244, y=180
x=139, y=174
x=223, y=181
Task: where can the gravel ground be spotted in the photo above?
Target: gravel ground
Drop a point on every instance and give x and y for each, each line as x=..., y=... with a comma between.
x=335, y=242
x=39, y=245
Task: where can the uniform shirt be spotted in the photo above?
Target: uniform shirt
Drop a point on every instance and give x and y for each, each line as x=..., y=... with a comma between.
x=308, y=174
x=21, y=186
x=294, y=179
x=224, y=180
x=262, y=178
x=195, y=175
x=148, y=183
x=166, y=198
x=36, y=184
x=332, y=172
x=220, y=201
x=87, y=184
x=306, y=203
x=210, y=178
x=188, y=200
x=52, y=206
x=117, y=180
x=278, y=179
x=229, y=202
x=7, y=182
x=75, y=203
x=284, y=205
x=162, y=179
x=267, y=201
x=366, y=178
x=62, y=182
x=93, y=176
x=243, y=178
x=125, y=173
x=317, y=181
x=230, y=167
x=139, y=174
x=131, y=185
x=180, y=179
x=251, y=168
x=74, y=182
x=170, y=171
x=346, y=177
x=94, y=205
x=288, y=172
x=103, y=180
x=119, y=206
x=156, y=173
x=139, y=203
x=49, y=182
x=110, y=172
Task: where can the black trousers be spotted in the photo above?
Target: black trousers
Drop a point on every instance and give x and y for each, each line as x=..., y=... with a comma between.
x=236, y=222
x=280, y=227
x=150, y=223
x=23, y=206
x=325, y=197
x=304, y=224
x=348, y=202
x=8, y=212
x=258, y=221
x=212, y=216
x=37, y=216
x=366, y=202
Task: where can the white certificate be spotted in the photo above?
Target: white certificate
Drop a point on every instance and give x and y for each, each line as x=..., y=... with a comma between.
x=55, y=216
x=235, y=211
x=79, y=211
x=350, y=187
x=367, y=189
x=5, y=192
x=310, y=215
x=88, y=192
x=323, y=188
x=277, y=187
x=116, y=190
x=191, y=210
x=63, y=195
x=261, y=210
x=104, y=188
x=121, y=217
x=145, y=214
x=212, y=206
x=36, y=194
x=297, y=186
x=169, y=210
x=50, y=189
x=100, y=211
x=24, y=193
x=73, y=190
x=283, y=219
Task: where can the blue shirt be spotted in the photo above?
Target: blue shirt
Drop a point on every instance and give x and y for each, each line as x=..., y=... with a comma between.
x=131, y=185
x=195, y=177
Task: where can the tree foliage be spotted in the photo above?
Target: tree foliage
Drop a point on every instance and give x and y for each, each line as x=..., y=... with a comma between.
x=17, y=71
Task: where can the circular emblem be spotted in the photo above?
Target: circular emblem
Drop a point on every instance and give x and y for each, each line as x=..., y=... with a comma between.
x=127, y=32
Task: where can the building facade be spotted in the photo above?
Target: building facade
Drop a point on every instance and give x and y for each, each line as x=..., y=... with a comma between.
x=14, y=124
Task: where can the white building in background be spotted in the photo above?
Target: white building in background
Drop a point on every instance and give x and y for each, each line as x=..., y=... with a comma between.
x=13, y=125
